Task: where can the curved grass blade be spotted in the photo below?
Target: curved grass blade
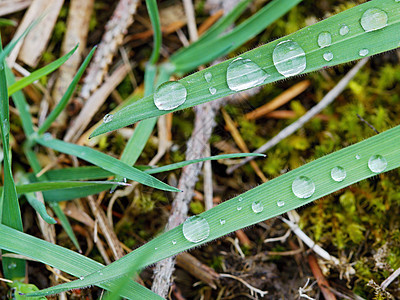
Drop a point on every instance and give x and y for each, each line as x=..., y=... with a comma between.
x=208, y=51
x=39, y=208
x=106, y=162
x=275, y=197
x=64, y=259
x=343, y=49
x=20, y=84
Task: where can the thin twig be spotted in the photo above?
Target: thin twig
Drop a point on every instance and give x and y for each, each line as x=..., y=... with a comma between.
x=191, y=20
x=390, y=279
x=332, y=94
x=252, y=288
x=366, y=122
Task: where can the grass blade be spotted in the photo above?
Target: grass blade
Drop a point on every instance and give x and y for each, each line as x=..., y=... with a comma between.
x=78, y=173
x=39, y=208
x=343, y=48
x=20, y=84
x=106, y=162
x=157, y=36
x=277, y=189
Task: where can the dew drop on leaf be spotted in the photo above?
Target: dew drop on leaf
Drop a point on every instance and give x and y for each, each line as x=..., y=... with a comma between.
x=358, y=156
x=81, y=277
x=280, y=203
x=108, y=118
x=196, y=229
x=222, y=221
x=289, y=58
x=240, y=199
x=303, y=187
x=173, y=242
x=12, y=265
x=344, y=29
x=374, y=19
x=377, y=163
x=208, y=77
x=243, y=74
x=239, y=208
x=363, y=52
x=328, y=56
x=338, y=173
x=212, y=90
x=257, y=207
x=170, y=95
x=324, y=39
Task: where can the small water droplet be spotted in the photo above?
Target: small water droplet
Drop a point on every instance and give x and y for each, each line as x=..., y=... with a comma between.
x=124, y=180
x=81, y=277
x=208, y=77
x=303, y=187
x=240, y=199
x=377, y=163
x=108, y=118
x=324, y=39
x=239, y=208
x=358, y=156
x=257, y=207
x=212, y=90
x=170, y=95
x=243, y=74
x=101, y=274
x=196, y=229
x=222, y=221
x=289, y=58
x=374, y=19
x=173, y=242
x=363, y=52
x=12, y=265
x=344, y=29
x=280, y=203
x=47, y=136
x=328, y=56
x=338, y=173
x=155, y=248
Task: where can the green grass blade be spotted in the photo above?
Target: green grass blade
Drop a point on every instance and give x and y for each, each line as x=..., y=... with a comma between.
x=7, y=22
x=106, y=162
x=39, y=208
x=74, y=193
x=344, y=49
x=64, y=259
x=193, y=161
x=20, y=84
x=207, y=52
x=67, y=95
x=78, y=173
x=157, y=36
x=268, y=194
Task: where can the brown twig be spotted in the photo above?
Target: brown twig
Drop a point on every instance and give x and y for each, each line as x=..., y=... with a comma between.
x=321, y=280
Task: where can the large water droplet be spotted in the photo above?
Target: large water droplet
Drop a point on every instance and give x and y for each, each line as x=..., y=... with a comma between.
x=257, y=207
x=363, y=52
x=243, y=74
x=303, y=187
x=207, y=76
x=289, y=58
x=170, y=95
x=222, y=221
x=324, y=39
x=374, y=19
x=212, y=90
x=338, y=173
x=195, y=229
x=328, y=56
x=377, y=163
x=108, y=118
x=344, y=29
x=280, y=203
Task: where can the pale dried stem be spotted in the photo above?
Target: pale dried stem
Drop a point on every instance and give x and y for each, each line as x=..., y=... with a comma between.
x=12, y=6
x=191, y=20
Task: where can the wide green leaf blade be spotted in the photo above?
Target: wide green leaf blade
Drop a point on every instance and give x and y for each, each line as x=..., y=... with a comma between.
x=64, y=259
x=20, y=84
x=106, y=162
x=343, y=49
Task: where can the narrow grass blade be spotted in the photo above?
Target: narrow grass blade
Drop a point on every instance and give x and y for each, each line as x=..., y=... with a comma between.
x=78, y=173
x=208, y=51
x=266, y=201
x=155, y=22
x=7, y=22
x=74, y=193
x=39, y=208
x=67, y=95
x=106, y=162
x=189, y=162
x=309, y=57
x=20, y=84
x=65, y=260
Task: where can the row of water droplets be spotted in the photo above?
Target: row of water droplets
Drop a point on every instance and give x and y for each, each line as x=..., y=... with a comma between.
x=196, y=228
x=288, y=57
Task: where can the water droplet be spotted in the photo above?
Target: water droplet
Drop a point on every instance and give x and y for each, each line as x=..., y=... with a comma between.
x=324, y=39
x=338, y=173
x=377, y=163
x=196, y=229
x=239, y=208
x=108, y=118
x=328, y=56
x=222, y=221
x=47, y=136
x=208, y=77
x=257, y=207
x=12, y=265
x=358, y=156
x=124, y=180
x=243, y=74
x=289, y=58
x=212, y=90
x=170, y=95
x=363, y=52
x=374, y=19
x=280, y=203
x=344, y=29
x=303, y=187
x=81, y=277
x=173, y=242
x=240, y=199
x=155, y=248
